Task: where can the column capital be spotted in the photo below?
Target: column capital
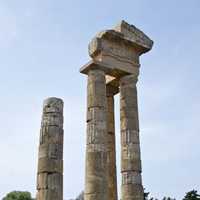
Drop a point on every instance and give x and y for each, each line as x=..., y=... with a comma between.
x=109, y=68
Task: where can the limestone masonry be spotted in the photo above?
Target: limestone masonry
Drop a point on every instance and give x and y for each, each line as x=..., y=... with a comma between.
x=113, y=69
x=50, y=159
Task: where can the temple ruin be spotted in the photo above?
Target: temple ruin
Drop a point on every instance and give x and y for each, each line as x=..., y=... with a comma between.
x=114, y=68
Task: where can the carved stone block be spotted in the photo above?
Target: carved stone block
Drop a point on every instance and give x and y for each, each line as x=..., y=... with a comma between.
x=50, y=165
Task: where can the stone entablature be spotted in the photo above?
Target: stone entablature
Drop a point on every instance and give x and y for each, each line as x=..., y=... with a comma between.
x=134, y=35
x=120, y=47
x=117, y=51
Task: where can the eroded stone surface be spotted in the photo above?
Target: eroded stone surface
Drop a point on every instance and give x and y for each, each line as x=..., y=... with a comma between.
x=112, y=171
x=130, y=150
x=50, y=158
x=96, y=181
x=132, y=33
x=115, y=66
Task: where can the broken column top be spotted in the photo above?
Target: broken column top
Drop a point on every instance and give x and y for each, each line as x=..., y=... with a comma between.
x=53, y=105
x=117, y=50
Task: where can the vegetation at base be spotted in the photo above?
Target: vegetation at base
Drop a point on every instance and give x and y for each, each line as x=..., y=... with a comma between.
x=18, y=195
x=192, y=195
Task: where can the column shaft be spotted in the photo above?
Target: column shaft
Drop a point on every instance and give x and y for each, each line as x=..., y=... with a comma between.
x=130, y=145
x=112, y=172
x=50, y=163
x=96, y=183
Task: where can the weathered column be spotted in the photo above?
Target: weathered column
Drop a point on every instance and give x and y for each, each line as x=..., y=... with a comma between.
x=112, y=171
x=130, y=145
x=96, y=183
x=50, y=164
x=117, y=52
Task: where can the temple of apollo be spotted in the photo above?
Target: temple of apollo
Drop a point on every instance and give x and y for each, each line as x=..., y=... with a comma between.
x=114, y=68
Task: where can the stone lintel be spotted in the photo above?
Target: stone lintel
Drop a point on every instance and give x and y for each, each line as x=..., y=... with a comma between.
x=109, y=69
x=97, y=44
x=126, y=38
x=134, y=36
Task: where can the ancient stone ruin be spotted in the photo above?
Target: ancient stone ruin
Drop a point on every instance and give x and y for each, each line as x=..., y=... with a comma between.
x=113, y=69
x=50, y=158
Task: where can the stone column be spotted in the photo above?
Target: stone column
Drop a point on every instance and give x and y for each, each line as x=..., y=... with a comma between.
x=130, y=145
x=96, y=183
x=112, y=171
x=50, y=164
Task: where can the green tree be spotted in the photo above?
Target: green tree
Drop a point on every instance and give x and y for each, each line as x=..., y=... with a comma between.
x=17, y=195
x=192, y=195
x=146, y=195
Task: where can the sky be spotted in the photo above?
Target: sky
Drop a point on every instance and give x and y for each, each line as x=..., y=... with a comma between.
x=42, y=46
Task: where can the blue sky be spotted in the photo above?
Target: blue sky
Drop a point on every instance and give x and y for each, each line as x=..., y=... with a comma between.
x=42, y=46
